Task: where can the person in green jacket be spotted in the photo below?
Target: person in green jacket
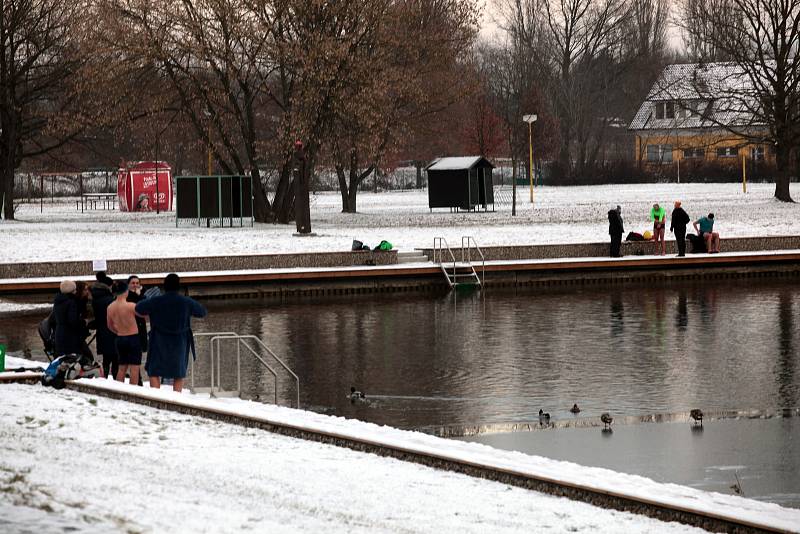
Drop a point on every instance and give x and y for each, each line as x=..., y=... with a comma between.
x=659, y=217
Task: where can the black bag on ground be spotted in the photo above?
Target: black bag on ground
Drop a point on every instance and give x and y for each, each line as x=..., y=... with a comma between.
x=70, y=367
x=698, y=243
x=634, y=236
x=357, y=245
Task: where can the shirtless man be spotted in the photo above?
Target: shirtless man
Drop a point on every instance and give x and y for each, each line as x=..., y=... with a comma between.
x=122, y=321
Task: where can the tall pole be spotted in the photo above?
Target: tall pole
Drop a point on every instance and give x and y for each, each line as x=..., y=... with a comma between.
x=530, y=153
x=744, y=173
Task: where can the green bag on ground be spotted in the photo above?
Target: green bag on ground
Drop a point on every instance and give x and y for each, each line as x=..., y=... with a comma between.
x=385, y=245
x=2, y=357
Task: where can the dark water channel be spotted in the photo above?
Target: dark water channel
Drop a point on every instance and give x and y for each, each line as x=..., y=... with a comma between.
x=466, y=360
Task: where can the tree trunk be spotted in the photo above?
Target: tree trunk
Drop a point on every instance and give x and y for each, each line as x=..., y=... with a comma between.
x=343, y=189
x=418, y=165
x=782, y=178
x=262, y=211
x=283, y=203
x=8, y=191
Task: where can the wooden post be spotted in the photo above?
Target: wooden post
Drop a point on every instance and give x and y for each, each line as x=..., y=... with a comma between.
x=744, y=173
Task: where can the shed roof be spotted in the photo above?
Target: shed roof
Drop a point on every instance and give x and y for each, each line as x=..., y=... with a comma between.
x=457, y=163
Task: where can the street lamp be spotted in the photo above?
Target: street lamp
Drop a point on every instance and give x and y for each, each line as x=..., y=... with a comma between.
x=530, y=119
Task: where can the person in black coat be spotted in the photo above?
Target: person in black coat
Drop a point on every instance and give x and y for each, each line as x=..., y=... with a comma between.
x=135, y=295
x=677, y=225
x=615, y=230
x=70, y=328
x=106, y=339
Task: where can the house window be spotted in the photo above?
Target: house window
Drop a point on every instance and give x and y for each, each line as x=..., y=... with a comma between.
x=698, y=153
x=757, y=153
x=659, y=153
x=727, y=152
x=665, y=110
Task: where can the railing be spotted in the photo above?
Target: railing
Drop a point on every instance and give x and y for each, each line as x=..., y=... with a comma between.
x=439, y=246
x=191, y=362
x=239, y=342
x=467, y=242
x=216, y=365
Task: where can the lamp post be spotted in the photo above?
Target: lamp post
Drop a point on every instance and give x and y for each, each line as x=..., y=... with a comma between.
x=530, y=119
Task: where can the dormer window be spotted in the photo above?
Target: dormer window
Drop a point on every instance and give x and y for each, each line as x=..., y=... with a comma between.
x=665, y=110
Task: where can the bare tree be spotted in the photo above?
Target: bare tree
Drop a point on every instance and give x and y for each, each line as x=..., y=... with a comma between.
x=758, y=94
x=40, y=61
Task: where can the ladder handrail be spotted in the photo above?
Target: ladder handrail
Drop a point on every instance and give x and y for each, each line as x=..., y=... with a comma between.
x=469, y=242
x=239, y=342
x=288, y=370
x=191, y=362
x=216, y=337
x=440, y=244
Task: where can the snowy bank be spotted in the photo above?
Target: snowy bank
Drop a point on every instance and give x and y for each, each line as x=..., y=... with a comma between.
x=559, y=215
x=92, y=464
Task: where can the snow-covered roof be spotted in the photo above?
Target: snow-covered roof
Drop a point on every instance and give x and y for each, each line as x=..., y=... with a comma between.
x=705, y=95
x=456, y=164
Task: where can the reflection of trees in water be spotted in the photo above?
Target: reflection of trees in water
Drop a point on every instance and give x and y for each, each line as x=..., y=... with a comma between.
x=617, y=314
x=682, y=311
x=785, y=372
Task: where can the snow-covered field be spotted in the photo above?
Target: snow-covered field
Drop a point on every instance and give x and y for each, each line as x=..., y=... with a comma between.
x=558, y=215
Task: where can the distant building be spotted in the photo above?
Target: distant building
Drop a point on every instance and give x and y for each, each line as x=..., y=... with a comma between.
x=690, y=112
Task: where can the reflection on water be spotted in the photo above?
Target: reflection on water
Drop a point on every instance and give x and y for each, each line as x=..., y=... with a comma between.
x=463, y=358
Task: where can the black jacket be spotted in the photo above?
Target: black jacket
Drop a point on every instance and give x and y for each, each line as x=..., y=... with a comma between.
x=615, y=223
x=141, y=323
x=679, y=220
x=70, y=328
x=101, y=299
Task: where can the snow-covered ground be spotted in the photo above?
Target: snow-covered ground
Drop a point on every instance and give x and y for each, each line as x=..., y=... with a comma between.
x=558, y=215
x=96, y=461
x=95, y=464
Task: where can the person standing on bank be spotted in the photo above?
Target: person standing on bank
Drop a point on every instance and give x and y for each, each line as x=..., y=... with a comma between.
x=659, y=217
x=615, y=230
x=171, y=337
x=106, y=339
x=677, y=225
x=122, y=321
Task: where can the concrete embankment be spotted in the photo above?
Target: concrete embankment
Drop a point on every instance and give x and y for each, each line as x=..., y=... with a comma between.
x=349, y=273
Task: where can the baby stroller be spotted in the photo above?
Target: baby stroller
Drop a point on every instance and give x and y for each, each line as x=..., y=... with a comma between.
x=47, y=331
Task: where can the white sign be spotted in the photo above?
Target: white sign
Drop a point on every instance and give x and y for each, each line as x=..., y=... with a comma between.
x=98, y=265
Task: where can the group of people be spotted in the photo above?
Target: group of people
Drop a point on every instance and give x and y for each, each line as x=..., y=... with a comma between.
x=120, y=311
x=679, y=219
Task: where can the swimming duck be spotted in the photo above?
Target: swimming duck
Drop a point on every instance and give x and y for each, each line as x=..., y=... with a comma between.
x=544, y=417
x=607, y=419
x=356, y=395
x=697, y=415
x=575, y=409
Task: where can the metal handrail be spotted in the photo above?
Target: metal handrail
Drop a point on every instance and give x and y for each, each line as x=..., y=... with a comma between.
x=439, y=245
x=239, y=341
x=191, y=362
x=469, y=242
x=286, y=367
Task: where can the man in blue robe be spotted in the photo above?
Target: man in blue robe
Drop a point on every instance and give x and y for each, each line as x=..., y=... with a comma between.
x=171, y=337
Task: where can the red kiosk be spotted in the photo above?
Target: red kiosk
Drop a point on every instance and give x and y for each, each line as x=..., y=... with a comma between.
x=145, y=186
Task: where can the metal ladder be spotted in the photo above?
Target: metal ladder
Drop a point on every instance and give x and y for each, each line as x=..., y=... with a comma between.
x=463, y=272
x=248, y=342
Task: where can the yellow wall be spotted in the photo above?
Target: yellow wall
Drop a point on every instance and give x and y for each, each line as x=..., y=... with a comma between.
x=710, y=143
